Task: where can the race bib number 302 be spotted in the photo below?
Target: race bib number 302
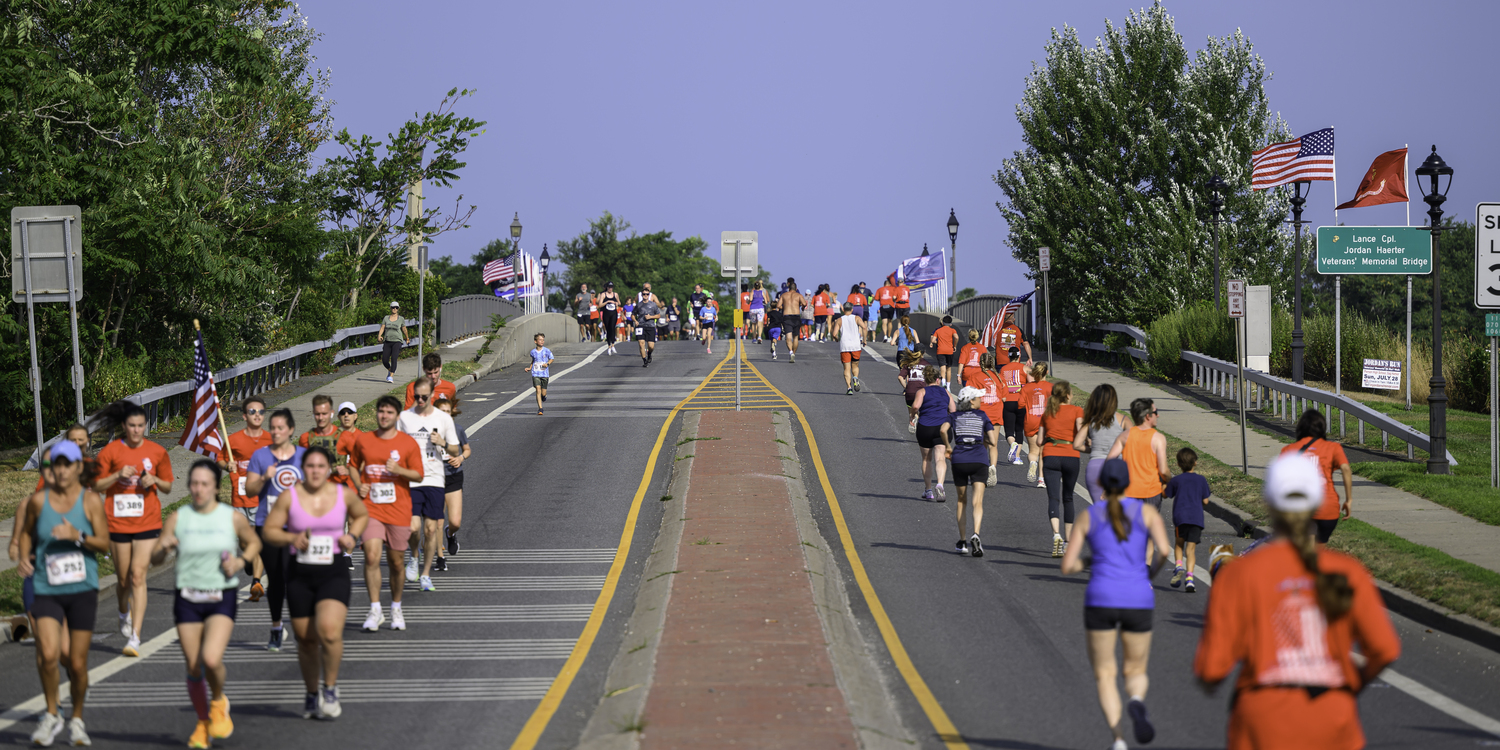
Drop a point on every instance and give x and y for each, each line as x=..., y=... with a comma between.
x=383, y=493
x=130, y=506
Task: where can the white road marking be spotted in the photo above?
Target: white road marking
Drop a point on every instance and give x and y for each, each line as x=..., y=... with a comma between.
x=356, y=649
x=527, y=394
x=508, y=583
x=444, y=613
x=290, y=692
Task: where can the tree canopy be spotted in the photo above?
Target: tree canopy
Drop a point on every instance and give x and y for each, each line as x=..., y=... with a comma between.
x=604, y=252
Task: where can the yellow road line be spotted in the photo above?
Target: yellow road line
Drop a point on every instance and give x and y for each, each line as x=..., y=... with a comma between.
x=946, y=730
x=531, y=733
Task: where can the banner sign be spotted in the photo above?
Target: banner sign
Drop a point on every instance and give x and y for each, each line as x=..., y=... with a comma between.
x=1384, y=374
x=923, y=271
x=1374, y=250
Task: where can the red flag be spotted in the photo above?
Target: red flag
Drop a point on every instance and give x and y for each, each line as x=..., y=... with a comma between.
x=1384, y=183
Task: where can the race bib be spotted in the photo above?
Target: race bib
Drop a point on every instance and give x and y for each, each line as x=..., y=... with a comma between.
x=319, y=550
x=671, y=317
x=538, y=370
x=130, y=506
x=202, y=596
x=241, y=486
x=593, y=308
x=609, y=306
x=65, y=567
x=383, y=493
x=639, y=331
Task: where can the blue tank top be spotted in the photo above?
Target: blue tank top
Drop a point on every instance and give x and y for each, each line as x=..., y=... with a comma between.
x=1119, y=573
x=63, y=559
x=757, y=300
x=934, y=406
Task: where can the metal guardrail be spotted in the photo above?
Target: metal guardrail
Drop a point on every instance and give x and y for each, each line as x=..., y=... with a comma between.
x=470, y=314
x=978, y=310
x=1282, y=398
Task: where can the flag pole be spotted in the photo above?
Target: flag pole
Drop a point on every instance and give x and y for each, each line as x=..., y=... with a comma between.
x=1405, y=164
x=223, y=428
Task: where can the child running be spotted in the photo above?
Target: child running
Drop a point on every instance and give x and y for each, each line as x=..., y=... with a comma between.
x=1189, y=492
x=541, y=369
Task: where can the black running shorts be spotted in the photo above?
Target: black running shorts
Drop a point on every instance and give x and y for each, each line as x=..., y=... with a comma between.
x=1109, y=618
x=967, y=474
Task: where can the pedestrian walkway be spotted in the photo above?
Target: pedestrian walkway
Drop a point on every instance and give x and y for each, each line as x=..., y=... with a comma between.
x=743, y=659
x=1399, y=512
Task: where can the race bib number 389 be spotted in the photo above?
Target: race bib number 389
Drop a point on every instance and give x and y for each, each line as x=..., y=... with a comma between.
x=130, y=506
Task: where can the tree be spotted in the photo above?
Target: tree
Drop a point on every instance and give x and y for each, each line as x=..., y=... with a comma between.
x=469, y=279
x=1121, y=139
x=965, y=293
x=601, y=254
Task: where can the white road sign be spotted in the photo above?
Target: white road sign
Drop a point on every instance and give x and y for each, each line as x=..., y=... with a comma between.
x=1487, y=256
x=1236, y=298
x=749, y=245
x=1044, y=258
x=1236, y=286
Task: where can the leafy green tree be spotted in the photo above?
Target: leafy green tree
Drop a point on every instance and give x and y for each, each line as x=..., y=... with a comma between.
x=602, y=253
x=1121, y=139
x=469, y=278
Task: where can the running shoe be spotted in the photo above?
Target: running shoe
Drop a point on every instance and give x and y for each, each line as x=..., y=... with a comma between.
x=1031, y=471
x=274, y=644
x=962, y=547
x=645, y=362
x=125, y=628
x=132, y=647
x=993, y=479
x=1119, y=745
x=1188, y=585
x=858, y=385
x=78, y=735
x=256, y=590
x=1041, y=483
x=540, y=412
x=374, y=621
x=200, y=738
x=792, y=358
x=927, y=495
x=773, y=354
x=1013, y=456
x=1144, y=731
x=47, y=730
x=219, y=725
x=1057, y=546
x=976, y=547
x=452, y=542
x=328, y=703
x=310, y=705
x=941, y=495
x=1177, y=574
x=398, y=620
x=427, y=584
x=411, y=565
x=440, y=564
x=850, y=393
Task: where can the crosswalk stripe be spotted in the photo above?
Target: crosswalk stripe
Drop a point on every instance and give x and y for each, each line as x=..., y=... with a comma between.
x=403, y=650
x=451, y=613
x=509, y=583
x=523, y=556
x=283, y=692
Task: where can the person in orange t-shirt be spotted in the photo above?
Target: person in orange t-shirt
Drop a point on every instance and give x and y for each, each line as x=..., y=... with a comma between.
x=1145, y=452
x=1010, y=337
x=986, y=379
x=944, y=343
x=1062, y=423
x=1034, y=397
x=968, y=356
x=1012, y=377
x=244, y=444
x=1288, y=614
x=133, y=471
x=388, y=461
x=343, y=450
x=885, y=296
x=902, y=300
x=1312, y=441
x=432, y=367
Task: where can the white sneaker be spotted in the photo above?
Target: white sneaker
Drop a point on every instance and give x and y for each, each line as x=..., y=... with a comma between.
x=993, y=479
x=77, y=734
x=46, y=730
x=1041, y=483
x=411, y=569
x=375, y=620
x=398, y=620
x=390, y=378
x=1031, y=473
x=132, y=647
x=126, y=629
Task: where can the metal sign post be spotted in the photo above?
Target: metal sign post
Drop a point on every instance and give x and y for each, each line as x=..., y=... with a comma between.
x=1492, y=330
x=1236, y=300
x=744, y=255
x=46, y=242
x=1487, y=295
x=1044, y=261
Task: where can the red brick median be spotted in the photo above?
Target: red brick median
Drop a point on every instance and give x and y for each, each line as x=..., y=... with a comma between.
x=742, y=658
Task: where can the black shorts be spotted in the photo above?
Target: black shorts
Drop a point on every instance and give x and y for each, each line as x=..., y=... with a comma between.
x=822, y=319
x=583, y=319
x=1187, y=532
x=1014, y=419
x=186, y=611
x=947, y=360
x=453, y=482
x=127, y=538
x=77, y=611
x=887, y=313
x=929, y=436
x=1109, y=618
x=427, y=502
x=306, y=585
x=967, y=474
x=646, y=332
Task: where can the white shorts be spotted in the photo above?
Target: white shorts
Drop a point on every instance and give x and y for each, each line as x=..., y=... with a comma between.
x=758, y=316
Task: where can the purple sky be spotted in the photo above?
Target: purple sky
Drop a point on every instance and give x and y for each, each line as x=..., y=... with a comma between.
x=843, y=132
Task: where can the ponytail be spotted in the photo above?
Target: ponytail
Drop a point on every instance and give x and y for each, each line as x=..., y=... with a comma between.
x=1117, y=519
x=1335, y=595
x=1062, y=393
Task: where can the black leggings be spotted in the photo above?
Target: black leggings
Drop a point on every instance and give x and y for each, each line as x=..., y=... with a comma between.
x=1061, y=473
x=1324, y=529
x=390, y=355
x=611, y=322
x=1014, y=420
x=277, y=560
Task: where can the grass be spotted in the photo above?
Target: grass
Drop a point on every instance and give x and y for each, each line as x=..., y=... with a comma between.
x=1423, y=571
x=15, y=487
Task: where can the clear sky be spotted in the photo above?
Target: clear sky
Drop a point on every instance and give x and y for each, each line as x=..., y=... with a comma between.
x=843, y=132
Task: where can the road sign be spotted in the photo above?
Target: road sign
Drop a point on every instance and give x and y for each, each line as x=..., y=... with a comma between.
x=1384, y=374
x=1492, y=324
x=748, y=243
x=1044, y=258
x=1487, y=256
x=1374, y=250
x=1236, y=286
x=47, y=247
x=1236, y=298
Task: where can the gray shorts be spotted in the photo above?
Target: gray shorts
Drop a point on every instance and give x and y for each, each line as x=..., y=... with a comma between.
x=539, y=382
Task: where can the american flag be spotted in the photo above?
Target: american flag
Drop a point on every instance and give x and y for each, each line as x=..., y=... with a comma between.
x=501, y=269
x=1303, y=159
x=991, y=336
x=201, y=435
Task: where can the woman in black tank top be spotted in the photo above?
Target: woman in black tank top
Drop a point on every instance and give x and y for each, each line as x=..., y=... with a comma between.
x=609, y=308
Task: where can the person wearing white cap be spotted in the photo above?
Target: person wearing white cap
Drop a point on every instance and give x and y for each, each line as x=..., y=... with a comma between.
x=1288, y=614
x=972, y=434
x=393, y=337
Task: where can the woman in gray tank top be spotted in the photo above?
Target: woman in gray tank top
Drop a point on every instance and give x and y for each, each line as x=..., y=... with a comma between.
x=1105, y=423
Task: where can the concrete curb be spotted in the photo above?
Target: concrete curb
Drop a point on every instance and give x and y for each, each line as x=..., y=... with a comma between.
x=1405, y=603
x=871, y=705
x=628, y=681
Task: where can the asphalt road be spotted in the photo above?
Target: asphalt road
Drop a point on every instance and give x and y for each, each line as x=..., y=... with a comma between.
x=1000, y=639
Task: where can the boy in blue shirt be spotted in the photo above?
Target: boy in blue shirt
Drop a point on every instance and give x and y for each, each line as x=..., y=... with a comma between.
x=1189, y=492
x=541, y=369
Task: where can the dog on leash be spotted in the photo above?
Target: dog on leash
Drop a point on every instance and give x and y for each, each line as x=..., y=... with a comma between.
x=1220, y=554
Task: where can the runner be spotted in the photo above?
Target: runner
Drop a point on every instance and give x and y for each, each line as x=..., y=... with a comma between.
x=809, y=323
x=944, y=343
x=907, y=339
x=1034, y=396
x=274, y=469
x=821, y=298
x=1105, y=424
x=758, y=302
x=968, y=356
x=453, y=486
x=583, y=308
x=323, y=434
x=78, y=435
x=774, y=322
x=973, y=436
x=648, y=314
x=1119, y=598
x=794, y=311
x=933, y=404
x=901, y=297
x=541, y=370
x=1292, y=590
x=1145, y=452
x=746, y=319
x=66, y=524
x=708, y=328
x=393, y=337
x=1062, y=424
x=433, y=431
x=610, y=301
x=885, y=296
x=133, y=471
x=860, y=304
x=213, y=544
x=1012, y=338
x=432, y=367
x=1312, y=441
x=596, y=319
x=909, y=372
x=387, y=461
x=674, y=320
x=244, y=444
x=309, y=519
x=986, y=379
x=1013, y=377
x=348, y=417
x=697, y=300
x=851, y=341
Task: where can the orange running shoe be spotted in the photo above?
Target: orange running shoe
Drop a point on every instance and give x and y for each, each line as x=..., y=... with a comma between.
x=200, y=736
x=219, y=725
x=256, y=591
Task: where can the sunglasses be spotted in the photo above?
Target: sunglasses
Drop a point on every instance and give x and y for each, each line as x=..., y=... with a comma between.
x=422, y=396
x=255, y=411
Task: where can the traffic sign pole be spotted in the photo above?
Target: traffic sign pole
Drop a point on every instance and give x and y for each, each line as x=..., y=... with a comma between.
x=36, y=372
x=1492, y=330
x=1236, y=300
x=1044, y=261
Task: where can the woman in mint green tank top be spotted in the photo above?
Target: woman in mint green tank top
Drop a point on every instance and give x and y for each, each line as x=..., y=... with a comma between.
x=65, y=527
x=212, y=543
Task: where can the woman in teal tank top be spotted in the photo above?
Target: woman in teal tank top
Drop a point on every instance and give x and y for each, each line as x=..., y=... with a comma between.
x=212, y=542
x=66, y=528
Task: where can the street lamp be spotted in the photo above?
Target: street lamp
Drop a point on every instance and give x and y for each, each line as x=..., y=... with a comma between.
x=515, y=229
x=1216, y=187
x=1297, y=203
x=953, y=248
x=544, y=260
x=1437, y=401
x=924, y=249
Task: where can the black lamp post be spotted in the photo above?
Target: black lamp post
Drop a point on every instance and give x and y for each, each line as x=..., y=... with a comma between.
x=1297, y=203
x=544, y=260
x=1216, y=187
x=953, y=248
x=924, y=249
x=1437, y=401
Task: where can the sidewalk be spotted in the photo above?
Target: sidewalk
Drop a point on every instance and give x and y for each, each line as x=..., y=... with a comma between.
x=1399, y=512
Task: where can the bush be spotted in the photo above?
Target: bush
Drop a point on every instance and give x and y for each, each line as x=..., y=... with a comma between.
x=116, y=377
x=1198, y=328
x=1467, y=367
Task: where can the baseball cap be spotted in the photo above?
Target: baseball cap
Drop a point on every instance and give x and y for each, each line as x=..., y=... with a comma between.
x=1294, y=484
x=1114, y=475
x=395, y=303
x=66, y=449
x=969, y=393
x=348, y=406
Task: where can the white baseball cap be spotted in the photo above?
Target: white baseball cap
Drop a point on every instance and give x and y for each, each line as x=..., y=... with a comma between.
x=395, y=303
x=347, y=405
x=969, y=393
x=1294, y=484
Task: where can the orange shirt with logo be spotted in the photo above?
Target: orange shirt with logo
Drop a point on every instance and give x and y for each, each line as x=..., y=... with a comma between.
x=744, y=300
x=886, y=295
x=1013, y=377
x=1329, y=456
x=820, y=304
x=969, y=355
x=330, y=442
x=389, y=500
x=990, y=403
x=1009, y=336
x=244, y=447
x=902, y=298
x=131, y=508
x=1034, y=400
x=947, y=339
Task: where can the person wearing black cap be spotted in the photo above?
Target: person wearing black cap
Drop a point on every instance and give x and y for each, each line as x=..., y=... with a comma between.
x=610, y=302
x=392, y=337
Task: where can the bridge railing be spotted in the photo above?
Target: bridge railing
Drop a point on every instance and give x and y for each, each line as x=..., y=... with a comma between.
x=470, y=314
x=977, y=311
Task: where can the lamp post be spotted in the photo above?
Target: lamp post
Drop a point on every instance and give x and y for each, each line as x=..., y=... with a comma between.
x=544, y=260
x=1297, y=202
x=1216, y=187
x=515, y=261
x=953, y=249
x=1437, y=402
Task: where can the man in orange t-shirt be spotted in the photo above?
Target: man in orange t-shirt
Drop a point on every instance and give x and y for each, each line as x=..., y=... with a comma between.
x=244, y=444
x=902, y=299
x=944, y=342
x=886, y=297
x=388, y=461
x=343, y=450
x=820, y=313
x=1011, y=336
x=432, y=367
x=1012, y=378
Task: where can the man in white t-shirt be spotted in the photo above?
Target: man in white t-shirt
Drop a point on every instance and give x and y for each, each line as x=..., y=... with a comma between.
x=434, y=432
x=851, y=332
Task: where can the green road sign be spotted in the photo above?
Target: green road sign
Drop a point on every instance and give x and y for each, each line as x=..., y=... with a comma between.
x=1362, y=250
x=1492, y=324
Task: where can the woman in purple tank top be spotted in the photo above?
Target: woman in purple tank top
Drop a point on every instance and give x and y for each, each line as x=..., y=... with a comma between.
x=1119, y=597
x=321, y=524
